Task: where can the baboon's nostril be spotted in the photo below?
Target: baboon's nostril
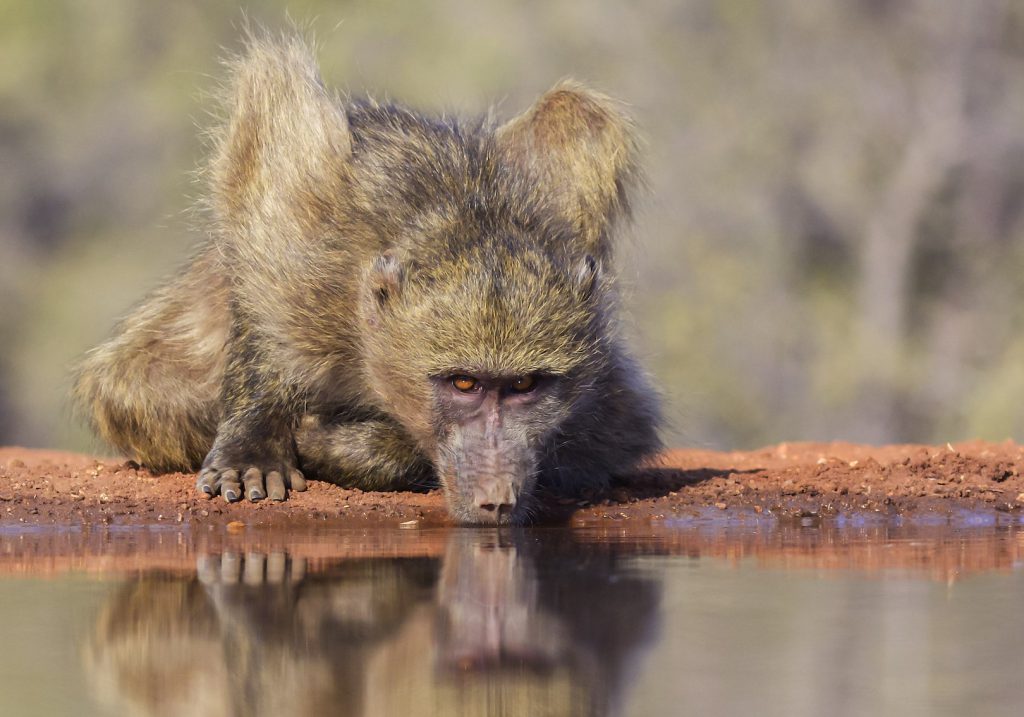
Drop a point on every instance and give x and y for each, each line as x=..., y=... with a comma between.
x=488, y=506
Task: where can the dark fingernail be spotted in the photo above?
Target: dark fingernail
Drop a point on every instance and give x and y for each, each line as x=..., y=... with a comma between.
x=255, y=495
x=207, y=489
x=230, y=495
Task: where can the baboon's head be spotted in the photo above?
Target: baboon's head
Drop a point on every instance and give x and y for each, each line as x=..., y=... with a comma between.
x=482, y=359
x=488, y=323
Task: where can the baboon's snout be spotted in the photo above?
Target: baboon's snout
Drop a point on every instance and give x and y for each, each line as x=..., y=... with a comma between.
x=494, y=495
x=490, y=496
x=486, y=477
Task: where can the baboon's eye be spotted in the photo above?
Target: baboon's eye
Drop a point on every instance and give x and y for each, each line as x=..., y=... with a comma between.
x=466, y=384
x=523, y=384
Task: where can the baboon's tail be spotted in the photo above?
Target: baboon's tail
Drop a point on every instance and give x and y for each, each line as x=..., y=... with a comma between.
x=153, y=390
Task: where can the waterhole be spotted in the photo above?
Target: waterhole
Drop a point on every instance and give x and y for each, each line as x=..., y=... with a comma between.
x=701, y=618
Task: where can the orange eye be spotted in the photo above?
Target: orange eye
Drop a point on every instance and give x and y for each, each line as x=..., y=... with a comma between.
x=466, y=384
x=523, y=384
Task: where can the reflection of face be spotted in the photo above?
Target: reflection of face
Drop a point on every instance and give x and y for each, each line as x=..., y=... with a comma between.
x=493, y=629
x=488, y=613
x=492, y=645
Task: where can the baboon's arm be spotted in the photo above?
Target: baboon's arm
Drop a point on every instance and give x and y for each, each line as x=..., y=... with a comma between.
x=370, y=454
x=255, y=447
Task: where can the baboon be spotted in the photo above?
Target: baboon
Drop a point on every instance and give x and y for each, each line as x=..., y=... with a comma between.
x=389, y=299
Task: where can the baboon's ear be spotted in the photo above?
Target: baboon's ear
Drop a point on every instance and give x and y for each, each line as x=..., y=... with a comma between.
x=286, y=144
x=386, y=275
x=582, y=147
x=588, y=274
x=382, y=285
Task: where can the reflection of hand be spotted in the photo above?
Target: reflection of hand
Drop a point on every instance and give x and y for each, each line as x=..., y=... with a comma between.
x=253, y=595
x=252, y=570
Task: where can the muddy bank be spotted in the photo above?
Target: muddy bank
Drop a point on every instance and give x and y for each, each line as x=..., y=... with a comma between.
x=813, y=506
x=800, y=482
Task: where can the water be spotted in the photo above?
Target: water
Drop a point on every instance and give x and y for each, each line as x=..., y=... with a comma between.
x=705, y=618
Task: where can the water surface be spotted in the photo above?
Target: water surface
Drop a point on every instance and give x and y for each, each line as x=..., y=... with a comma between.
x=701, y=619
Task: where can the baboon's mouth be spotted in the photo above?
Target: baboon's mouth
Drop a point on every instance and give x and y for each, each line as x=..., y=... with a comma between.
x=466, y=510
x=467, y=514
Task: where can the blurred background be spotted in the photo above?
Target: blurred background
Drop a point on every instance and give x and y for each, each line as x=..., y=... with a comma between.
x=831, y=247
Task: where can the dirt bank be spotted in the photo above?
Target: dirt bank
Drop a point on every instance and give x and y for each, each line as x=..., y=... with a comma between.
x=815, y=506
x=802, y=482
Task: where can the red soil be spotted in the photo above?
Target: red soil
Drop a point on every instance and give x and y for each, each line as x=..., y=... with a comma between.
x=64, y=511
x=801, y=481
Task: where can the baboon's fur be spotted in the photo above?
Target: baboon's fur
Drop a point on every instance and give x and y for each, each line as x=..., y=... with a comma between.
x=359, y=249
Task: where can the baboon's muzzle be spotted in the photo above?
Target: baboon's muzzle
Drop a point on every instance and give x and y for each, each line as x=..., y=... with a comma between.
x=486, y=471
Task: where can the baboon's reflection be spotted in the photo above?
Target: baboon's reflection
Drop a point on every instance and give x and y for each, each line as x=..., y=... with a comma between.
x=503, y=624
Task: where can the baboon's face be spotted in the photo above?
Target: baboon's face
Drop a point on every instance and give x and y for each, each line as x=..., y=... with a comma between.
x=489, y=430
x=482, y=358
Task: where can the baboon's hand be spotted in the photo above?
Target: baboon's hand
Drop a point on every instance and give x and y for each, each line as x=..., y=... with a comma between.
x=227, y=471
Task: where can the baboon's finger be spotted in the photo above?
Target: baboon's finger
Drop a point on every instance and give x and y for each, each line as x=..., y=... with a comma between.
x=296, y=481
x=207, y=481
x=254, y=489
x=230, y=488
x=275, y=485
